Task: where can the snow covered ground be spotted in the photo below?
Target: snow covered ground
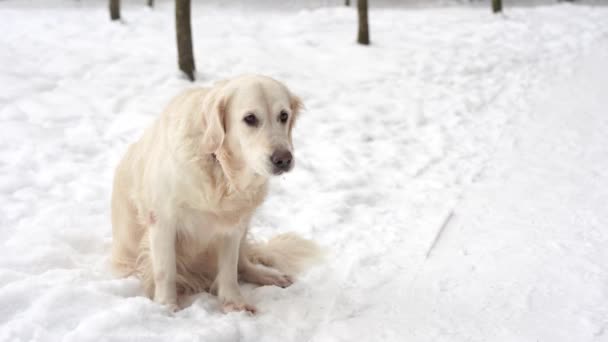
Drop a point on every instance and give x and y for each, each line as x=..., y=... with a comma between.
x=455, y=170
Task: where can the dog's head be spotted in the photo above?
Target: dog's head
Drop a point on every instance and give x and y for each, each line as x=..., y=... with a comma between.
x=248, y=122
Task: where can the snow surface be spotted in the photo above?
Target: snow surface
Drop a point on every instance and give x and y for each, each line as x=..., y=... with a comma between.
x=455, y=170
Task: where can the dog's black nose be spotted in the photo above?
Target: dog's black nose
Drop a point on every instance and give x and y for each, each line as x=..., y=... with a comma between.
x=281, y=159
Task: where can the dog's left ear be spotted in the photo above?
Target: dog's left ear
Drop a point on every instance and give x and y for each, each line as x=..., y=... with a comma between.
x=214, y=111
x=296, y=106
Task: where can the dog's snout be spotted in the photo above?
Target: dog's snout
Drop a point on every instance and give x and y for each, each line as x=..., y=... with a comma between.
x=281, y=159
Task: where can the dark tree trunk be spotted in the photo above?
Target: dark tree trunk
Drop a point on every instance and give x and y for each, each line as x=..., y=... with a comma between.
x=496, y=6
x=346, y=2
x=115, y=9
x=151, y=3
x=363, y=36
x=184, y=38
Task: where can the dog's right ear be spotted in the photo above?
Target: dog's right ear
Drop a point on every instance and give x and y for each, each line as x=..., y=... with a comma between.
x=214, y=112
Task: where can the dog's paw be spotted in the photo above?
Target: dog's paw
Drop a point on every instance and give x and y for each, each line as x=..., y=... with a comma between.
x=173, y=308
x=231, y=306
x=266, y=276
x=169, y=304
x=278, y=279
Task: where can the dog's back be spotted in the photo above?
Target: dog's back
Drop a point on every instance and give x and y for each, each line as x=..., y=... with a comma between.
x=129, y=218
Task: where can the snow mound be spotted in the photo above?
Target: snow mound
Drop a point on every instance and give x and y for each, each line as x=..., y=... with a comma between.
x=455, y=170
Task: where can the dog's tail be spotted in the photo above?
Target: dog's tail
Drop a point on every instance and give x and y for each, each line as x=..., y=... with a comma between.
x=288, y=253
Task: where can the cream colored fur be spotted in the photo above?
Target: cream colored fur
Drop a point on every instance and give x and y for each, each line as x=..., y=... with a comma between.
x=185, y=192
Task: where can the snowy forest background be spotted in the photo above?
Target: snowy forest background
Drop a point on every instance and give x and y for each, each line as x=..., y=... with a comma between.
x=454, y=168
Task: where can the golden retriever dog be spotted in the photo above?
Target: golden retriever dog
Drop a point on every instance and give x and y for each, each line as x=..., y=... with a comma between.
x=184, y=194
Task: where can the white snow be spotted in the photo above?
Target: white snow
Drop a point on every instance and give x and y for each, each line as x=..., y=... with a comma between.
x=455, y=170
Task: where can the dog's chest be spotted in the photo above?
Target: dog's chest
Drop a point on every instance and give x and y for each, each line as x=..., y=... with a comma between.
x=209, y=192
x=203, y=219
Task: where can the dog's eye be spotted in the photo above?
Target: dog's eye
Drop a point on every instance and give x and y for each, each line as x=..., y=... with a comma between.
x=251, y=120
x=283, y=116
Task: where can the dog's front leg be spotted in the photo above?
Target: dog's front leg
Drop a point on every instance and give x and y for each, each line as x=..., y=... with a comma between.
x=162, y=254
x=227, y=278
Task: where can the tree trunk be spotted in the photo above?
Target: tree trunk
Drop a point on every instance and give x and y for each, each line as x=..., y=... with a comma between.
x=496, y=6
x=115, y=9
x=185, y=57
x=346, y=2
x=363, y=36
x=151, y=3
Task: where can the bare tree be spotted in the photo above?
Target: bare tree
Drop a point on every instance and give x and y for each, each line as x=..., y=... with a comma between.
x=496, y=6
x=115, y=9
x=363, y=35
x=151, y=3
x=185, y=57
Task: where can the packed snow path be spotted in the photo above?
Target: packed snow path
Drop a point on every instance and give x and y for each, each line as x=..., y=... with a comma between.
x=454, y=170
